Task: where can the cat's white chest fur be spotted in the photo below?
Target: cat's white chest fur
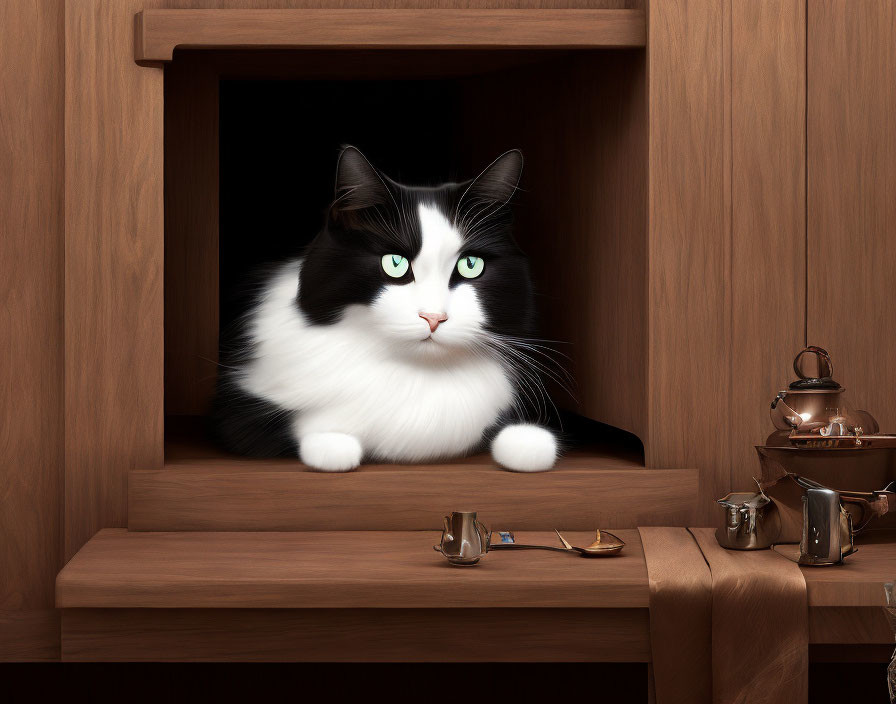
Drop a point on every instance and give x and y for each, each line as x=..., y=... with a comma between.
x=345, y=378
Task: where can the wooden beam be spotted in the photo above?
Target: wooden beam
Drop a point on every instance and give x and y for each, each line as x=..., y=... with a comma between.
x=248, y=495
x=114, y=237
x=356, y=635
x=31, y=333
x=159, y=32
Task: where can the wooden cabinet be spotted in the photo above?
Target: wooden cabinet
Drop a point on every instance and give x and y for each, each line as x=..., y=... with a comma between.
x=719, y=173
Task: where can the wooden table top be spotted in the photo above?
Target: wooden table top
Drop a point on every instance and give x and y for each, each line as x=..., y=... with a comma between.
x=859, y=581
x=393, y=569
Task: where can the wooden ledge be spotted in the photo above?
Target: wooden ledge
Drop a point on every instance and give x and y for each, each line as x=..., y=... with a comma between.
x=119, y=569
x=859, y=581
x=231, y=495
x=159, y=32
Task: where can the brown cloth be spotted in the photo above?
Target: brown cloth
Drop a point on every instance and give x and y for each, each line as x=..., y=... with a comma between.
x=760, y=625
x=680, y=616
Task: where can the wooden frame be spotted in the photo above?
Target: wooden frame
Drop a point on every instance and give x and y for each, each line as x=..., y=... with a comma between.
x=739, y=92
x=356, y=635
x=159, y=32
x=114, y=308
x=696, y=235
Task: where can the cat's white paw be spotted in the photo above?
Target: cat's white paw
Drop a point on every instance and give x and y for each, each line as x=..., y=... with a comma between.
x=330, y=452
x=525, y=448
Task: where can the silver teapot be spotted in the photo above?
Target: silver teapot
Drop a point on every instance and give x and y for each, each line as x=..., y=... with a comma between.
x=464, y=539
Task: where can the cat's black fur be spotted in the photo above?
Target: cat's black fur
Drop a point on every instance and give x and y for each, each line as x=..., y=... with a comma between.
x=370, y=216
x=373, y=215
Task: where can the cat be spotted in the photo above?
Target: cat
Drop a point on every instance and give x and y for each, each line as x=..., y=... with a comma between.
x=400, y=335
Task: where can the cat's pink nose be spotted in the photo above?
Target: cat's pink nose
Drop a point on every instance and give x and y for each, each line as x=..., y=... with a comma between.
x=434, y=319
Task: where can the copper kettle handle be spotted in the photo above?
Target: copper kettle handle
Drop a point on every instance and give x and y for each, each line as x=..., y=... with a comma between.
x=824, y=361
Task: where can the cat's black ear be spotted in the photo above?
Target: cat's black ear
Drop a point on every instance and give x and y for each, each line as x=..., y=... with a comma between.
x=498, y=182
x=358, y=184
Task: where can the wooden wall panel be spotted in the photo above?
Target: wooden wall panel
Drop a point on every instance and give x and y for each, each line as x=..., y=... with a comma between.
x=113, y=266
x=689, y=293
x=31, y=303
x=580, y=214
x=727, y=230
x=852, y=196
x=768, y=216
x=400, y=4
x=191, y=235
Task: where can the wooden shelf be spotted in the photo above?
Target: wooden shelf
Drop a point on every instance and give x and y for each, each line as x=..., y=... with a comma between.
x=159, y=32
x=859, y=581
x=121, y=569
x=202, y=488
x=380, y=596
x=323, y=596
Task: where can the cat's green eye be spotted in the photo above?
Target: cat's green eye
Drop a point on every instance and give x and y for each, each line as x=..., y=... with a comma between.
x=395, y=265
x=470, y=267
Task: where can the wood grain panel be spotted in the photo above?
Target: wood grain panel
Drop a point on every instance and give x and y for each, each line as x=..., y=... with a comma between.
x=247, y=496
x=403, y=4
x=31, y=304
x=342, y=569
x=160, y=32
x=859, y=582
x=689, y=291
x=191, y=236
x=580, y=215
x=31, y=635
x=113, y=265
x=851, y=206
x=862, y=625
x=359, y=635
x=768, y=217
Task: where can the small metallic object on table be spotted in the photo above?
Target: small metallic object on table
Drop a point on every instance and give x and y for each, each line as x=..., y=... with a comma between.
x=464, y=539
x=827, y=529
x=604, y=545
x=751, y=522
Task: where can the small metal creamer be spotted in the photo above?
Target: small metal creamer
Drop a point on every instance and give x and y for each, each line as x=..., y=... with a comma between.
x=751, y=522
x=464, y=539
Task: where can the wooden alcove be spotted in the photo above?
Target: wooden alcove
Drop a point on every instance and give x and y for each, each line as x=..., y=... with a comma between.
x=568, y=87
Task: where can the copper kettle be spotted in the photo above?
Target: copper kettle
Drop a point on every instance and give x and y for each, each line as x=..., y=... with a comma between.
x=814, y=408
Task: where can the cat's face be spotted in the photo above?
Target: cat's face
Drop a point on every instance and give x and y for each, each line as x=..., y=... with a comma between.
x=432, y=271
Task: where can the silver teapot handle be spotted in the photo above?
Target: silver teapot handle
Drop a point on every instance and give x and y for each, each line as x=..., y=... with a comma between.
x=485, y=536
x=446, y=527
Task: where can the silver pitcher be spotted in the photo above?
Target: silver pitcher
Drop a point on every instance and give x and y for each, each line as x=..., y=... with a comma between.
x=827, y=529
x=464, y=539
x=751, y=522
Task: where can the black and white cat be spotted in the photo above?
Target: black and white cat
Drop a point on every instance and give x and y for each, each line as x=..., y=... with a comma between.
x=393, y=338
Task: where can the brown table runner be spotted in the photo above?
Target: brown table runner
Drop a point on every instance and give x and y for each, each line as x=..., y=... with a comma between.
x=760, y=625
x=680, y=616
x=725, y=626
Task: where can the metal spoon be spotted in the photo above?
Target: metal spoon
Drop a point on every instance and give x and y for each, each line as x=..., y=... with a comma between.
x=599, y=548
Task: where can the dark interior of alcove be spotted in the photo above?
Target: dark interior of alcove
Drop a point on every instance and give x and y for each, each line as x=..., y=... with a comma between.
x=421, y=117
